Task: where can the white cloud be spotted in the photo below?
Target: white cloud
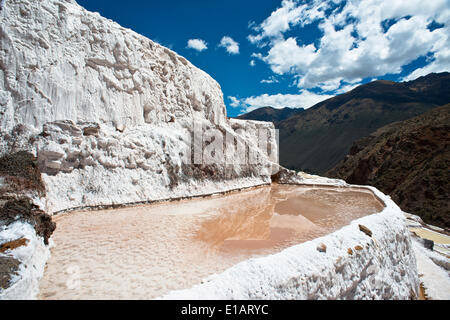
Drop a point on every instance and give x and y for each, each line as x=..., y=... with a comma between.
x=440, y=61
x=305, y=99
x=282, y=19
x=285, y=56
x=347, y=88
x=234, y=101
x=353, y=44
x=252, y=63
x=230, y=45
x=197, y=44
x=271, y=79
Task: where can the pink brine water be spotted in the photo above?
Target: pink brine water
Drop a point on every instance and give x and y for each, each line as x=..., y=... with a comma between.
x=146, y=251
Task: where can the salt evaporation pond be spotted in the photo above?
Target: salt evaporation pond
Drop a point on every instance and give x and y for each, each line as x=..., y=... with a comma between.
x=146, y=251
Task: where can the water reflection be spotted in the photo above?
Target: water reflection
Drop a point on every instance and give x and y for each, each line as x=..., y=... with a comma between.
x=281, y=216
x=146, y=251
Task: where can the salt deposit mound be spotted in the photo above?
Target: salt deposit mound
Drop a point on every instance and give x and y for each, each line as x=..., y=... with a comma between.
x=109, y=113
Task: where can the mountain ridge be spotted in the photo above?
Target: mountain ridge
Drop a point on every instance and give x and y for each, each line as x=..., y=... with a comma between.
x=318, y=138
x=270, y=114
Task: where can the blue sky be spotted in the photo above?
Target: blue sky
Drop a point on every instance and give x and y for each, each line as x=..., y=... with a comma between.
x=293, y=53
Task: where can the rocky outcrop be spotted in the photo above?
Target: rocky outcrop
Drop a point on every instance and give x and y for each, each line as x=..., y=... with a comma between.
x=9, y=267
x=114, y=117
x=20, y=174
x=25, y=211
x=25, y=228
x=23, y=255
x=21, y=182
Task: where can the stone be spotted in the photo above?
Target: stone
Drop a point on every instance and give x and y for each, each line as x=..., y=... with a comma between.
x=91, y=130
x=429, y=244
x=24, y=210
x=67, y=126
x=365, y=230
x=322, y=247
x=9, y=267
x=11, y=245
x=53, y=164
x=51, y=151
x=120, y=127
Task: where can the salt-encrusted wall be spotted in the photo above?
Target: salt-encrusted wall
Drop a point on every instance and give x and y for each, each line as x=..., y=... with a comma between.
x=59, y=61
x=111, y=114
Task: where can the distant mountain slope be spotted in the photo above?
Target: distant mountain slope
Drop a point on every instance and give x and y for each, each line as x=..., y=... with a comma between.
x=410, y=161
x=319, y=138
x=270, y=114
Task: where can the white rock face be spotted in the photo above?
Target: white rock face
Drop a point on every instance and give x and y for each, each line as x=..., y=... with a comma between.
x=144, y=163
x=111, y=114
x=434, y=269
x=59, y=61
